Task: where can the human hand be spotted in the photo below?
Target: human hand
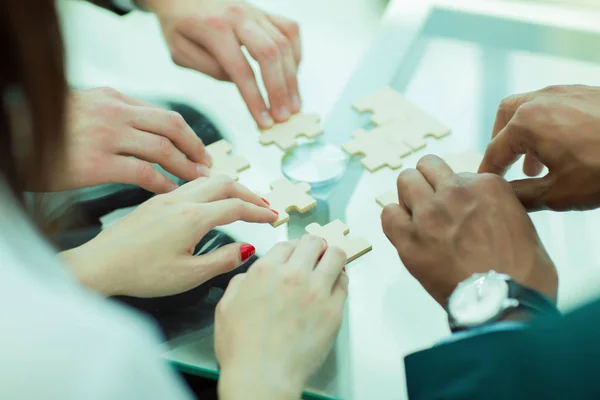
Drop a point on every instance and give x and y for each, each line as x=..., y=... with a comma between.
x=207, y=35
x=448, y=227
x=557, y=127
x=276, y=324
x=150, y=252
x=105, y=128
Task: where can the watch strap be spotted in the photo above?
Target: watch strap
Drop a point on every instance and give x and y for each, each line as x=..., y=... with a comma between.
x=532, y=300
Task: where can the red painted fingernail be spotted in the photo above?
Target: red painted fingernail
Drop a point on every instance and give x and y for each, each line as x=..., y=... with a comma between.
x=247, y=251
x=276, y=213
x=266, y=201
x=344, y=269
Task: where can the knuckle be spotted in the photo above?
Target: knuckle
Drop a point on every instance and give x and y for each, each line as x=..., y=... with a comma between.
x=337, y=252
x=492, y=182
x=291, y=28
x=176, y=121
x=165, y=147
x=554, y=89
x=427, y=159
x=146, y=173
x=294, y=277
x=268, y=52
x=213, y=22
x=457, y=193
x=110, y=92
x=404, y=175
x=313, y=239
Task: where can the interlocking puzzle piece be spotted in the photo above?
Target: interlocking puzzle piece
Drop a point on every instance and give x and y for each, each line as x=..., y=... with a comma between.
x=386, y=105
x=467, y=161
x=379, y=147
x=223, y=162
x=286, y=196
x=335, y=234
x=387, y=198
x=284, y=134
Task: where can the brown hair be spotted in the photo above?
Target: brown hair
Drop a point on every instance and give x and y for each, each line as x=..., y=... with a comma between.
x=33, y=86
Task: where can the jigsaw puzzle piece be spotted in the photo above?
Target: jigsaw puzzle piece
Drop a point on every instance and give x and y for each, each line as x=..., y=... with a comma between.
x=467, y=161
x=413, y=130
x=286, y=196
x=387, y=198
x=223, y=162
x=378, y=147
x=386, y=105
x=284, y=134
x=335, y=234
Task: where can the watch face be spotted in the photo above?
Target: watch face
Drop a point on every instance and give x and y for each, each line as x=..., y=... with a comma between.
x=478, y=299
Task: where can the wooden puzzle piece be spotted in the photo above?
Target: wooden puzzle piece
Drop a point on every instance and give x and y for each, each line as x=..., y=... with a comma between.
x=467, y=161
x=286, y=196
x=386, y=105
x=335, y=234
x=223, y=162
x=378, y=147
x=284, y=134
x=387, y=198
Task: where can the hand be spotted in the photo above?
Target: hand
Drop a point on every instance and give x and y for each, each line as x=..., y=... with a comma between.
x=207, y=35
x=150, y=252
x=106, y=128
x=276, y=324
x=448, y=227
x=558, y=127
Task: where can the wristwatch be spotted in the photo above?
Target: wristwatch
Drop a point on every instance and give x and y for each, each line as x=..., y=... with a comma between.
x=485, y=298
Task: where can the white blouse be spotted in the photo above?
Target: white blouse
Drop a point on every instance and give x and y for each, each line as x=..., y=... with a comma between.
x=60, y=341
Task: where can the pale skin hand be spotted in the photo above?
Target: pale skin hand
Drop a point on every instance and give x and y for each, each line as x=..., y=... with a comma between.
x=150, y=252
x=557, y=127
x=276, y=324
x=208, y=36
x=448, y=227
x=106, y=128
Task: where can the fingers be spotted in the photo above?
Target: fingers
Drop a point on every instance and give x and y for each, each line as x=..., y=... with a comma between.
x=220, y=188
x=307, y=253
x=172, y=126
x=190, y=55
x=339, y=292
x=504, y=150
x=290, y=67
x=331, y=265
x=413, y=188
x=280, y=253
x=395, y=221
x=533, y=193
x=227, y=211
x=137, y=172
x=531, y=166
x=232, y=288
x=266, y=51
x=218, y=262
x=507, y=109
x=160, y=150
x=291, y=30
x=435, y=170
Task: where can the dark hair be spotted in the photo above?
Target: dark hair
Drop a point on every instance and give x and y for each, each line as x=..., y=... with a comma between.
x=33, y=86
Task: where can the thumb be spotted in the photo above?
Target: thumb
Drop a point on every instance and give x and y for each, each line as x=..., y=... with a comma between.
x=220, y=261
x=533, y=192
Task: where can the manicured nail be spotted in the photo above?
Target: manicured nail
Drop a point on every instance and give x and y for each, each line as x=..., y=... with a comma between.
x=247, y=251
x=276, y=213
x=296, y=105
x=266, y=120
x=266, y=201
x=203, y=170
x=344, y=269
x=284, y=113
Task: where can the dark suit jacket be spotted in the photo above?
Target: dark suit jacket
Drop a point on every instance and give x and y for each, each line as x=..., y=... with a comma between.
x=554, y=359
x=108, y=4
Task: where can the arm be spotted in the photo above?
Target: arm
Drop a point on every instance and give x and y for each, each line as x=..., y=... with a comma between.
x=553, y=359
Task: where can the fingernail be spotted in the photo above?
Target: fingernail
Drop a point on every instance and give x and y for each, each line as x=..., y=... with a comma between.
x=203, y=170
x=266, y=120
x=173, y=186
x=276, y=213
x=209, y=159
x=247, y=251
x=325, y=241
x=284, y=113
x=344, y=269
x=296, y=105
x=266, y=201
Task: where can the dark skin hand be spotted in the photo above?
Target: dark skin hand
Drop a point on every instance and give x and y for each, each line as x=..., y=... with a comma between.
x=449, y=226
x=557, y=127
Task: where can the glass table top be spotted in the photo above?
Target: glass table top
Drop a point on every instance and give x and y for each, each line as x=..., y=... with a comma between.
x=457, y=60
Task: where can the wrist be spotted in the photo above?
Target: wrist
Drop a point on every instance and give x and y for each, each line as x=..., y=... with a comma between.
x=247, y=384
x=85, y=268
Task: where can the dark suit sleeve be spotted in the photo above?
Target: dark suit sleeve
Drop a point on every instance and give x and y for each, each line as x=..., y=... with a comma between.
x=108, y=4
x=554, y=359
